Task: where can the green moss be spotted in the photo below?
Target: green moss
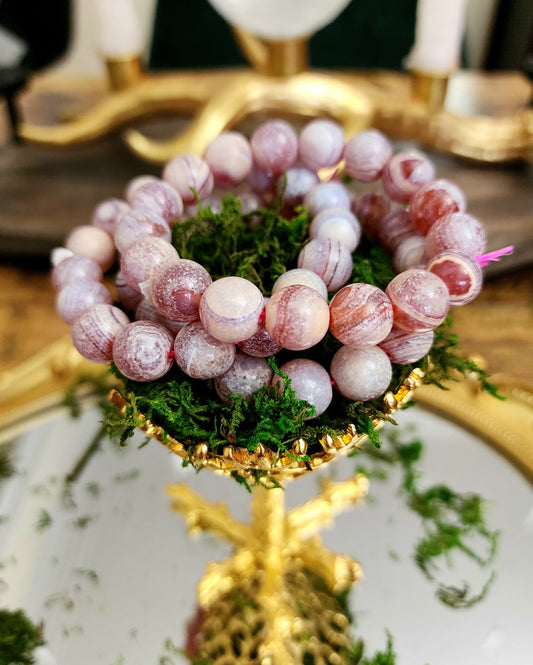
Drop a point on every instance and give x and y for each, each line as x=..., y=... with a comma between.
x=18, y=638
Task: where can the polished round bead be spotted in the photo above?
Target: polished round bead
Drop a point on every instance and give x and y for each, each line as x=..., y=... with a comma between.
x=366, y=154
x=189, y=174
x=394, y=227
x=310, y=382
x=161, y=198
x=200, y=355
x=245, y=377
x=297, y=317
x=327, y=195
x=410, y=253
x=274, y=146
x=434, y=200
x=263, y=183
x=147, y=312
x=75, y=268
x=321, y=144
x=144, y=258
x=301, y=276
x=361, y=374
x=107, y=214
x=295, y=184
x=230, y=309
x=260, y=345
x=143, y=351
x=76, y=297
x=405, y=173
x=176, y=289
x=370, y=209
x=460, y=272
x=360, y=315
x=403, y=348
x=229, y=157
x=128, y=297
x=94, y=331
x=420, y=300
x=337, y=224
x=137, y=182
x=93, y=243
x=140, y=223
x=457, y=231
x=330, y=259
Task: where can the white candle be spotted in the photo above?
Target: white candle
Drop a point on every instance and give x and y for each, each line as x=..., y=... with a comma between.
x=119, y=33
x=438, y=36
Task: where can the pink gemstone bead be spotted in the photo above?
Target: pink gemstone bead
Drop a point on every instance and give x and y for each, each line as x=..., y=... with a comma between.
x=137, y=224
x=321, y=144
x=405, y=173
x=176, y=290
x=460, y=272
x=187, y=173
x=260, y=345
x=394, y=227
x=200, y=355
x=370, y=209
x=301, y=276
x=75, y=268
x=107, y=214
x=420, y=300
x=337, y=224
x=403, y=348
x=137, y=182
x=297, y=317
x=360, y=315
x=262, y=183
x=93, y=243
x=161, y=198
x=330, y=259
x=230, y=309
x=366, y=154
x=76, y=297
x=229, y=157
x=434, y=200
x=410, y=253
x=274, y=146
x=94, y=332
x=147, y=312
x=143, y=351
x=361, y=374
x=245, y=377
x=144, y=258
x=327, y=195
x=457, y=231
x=310, y=382
x=295, y=184
x=127, y=296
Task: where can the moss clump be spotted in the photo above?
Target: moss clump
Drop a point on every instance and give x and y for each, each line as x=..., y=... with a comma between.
x=18, y=638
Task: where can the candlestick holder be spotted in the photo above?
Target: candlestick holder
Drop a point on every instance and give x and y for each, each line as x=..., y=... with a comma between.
x=279, y=82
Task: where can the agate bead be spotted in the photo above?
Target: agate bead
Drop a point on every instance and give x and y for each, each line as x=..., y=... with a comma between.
x=458, y=231
x=147, y=312
x=142, y=351
x=330, y=259
x=310, y=382
x=245, y=377
x=161, y=198
x=403, y=348
x=140, y=223
x=229, y=157
x=274, y=146
x=200, y=355
x=360, y=315
x=370, y=209
x=260, y=345
x=93, y=243
x=420, y=300
x=144, y=258
x=460, y=272
x=327, y=195
x=295, y=184
x=405, y=173
x=128, y=297
x=176, y=289
x=94, y=331
x=76, y=297
x=300, y=276
x=434, y=200
x=107, y=214
x=361, y=374
x=394, y=227
x=297, y=317
x=75, y=268
x=337, y=224
x=321, y=144
x=230, y=309
x=189, y=174
x=137, y=182
x=366, y=154
x=410, y=253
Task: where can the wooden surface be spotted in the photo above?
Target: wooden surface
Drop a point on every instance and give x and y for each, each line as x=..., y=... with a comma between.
x=43, y=193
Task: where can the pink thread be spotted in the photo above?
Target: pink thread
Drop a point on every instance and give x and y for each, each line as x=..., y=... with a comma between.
x=171, y=355
x=262, y=316
x=485, y=259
